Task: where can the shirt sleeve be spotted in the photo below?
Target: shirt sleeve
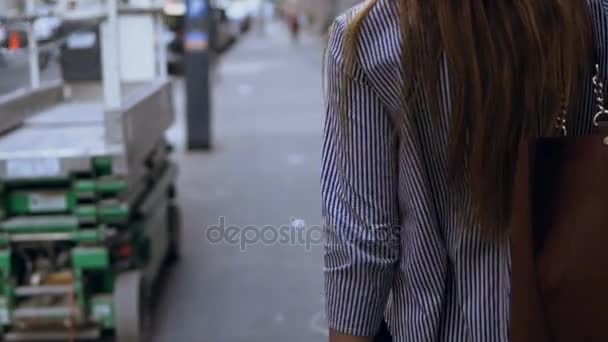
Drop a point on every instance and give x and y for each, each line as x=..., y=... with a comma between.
x=359, y=197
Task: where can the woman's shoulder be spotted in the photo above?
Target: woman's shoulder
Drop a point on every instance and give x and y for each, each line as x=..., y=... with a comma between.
x=378, y=43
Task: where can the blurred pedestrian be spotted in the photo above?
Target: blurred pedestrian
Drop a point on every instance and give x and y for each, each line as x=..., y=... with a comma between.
x=293, y=20
x=427, y=102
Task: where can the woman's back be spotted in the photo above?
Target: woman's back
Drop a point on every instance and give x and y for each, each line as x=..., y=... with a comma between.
x=451, y=281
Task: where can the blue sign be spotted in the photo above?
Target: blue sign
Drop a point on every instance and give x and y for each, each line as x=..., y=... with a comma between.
x=197, y=36
x=197, y=8
x=196, y=41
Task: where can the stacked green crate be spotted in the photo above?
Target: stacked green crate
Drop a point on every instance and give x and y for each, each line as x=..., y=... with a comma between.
x=107, y=226
x=93, y=198
x=77, y=208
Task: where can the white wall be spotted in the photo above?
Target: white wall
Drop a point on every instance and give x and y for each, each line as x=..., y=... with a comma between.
x=137, y=48
x=7, y=4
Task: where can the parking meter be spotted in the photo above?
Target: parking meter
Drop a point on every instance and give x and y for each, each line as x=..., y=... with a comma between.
x=197, y=49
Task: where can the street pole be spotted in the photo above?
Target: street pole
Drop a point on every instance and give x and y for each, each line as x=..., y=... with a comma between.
x=110, y=59
x=33, y=49
x=197, y=46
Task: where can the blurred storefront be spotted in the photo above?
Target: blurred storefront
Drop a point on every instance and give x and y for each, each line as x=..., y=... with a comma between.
x=322, y=12
x=6, y=5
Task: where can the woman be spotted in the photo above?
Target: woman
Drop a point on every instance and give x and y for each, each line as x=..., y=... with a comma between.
x=427, y=101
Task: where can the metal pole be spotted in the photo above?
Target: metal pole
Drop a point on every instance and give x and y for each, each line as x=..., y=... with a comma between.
x=110, y=58
x=34, y=61
x=262, y=18
x=197, y=43
x=161, y=49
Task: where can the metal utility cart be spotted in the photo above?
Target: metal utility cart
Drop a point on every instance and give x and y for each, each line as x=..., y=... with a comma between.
x=88, y=216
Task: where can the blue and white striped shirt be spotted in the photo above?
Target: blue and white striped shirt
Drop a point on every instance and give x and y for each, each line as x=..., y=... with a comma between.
x=398, y=243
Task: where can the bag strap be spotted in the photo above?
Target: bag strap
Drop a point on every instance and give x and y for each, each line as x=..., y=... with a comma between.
x=598, y=85
x=600, y=117
x=600, y=21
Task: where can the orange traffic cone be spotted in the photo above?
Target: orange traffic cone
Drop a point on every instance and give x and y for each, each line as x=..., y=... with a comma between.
x=14, y=41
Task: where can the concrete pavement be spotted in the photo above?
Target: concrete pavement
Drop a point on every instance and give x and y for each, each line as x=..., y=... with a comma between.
x=262, y=172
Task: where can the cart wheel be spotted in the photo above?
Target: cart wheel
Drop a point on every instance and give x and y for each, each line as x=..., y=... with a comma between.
x=174, y=217
x=130, y=308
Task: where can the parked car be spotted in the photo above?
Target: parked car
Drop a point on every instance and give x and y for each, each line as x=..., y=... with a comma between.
x=174, y=13
x=46, y=29
x=225, y=33
x=47, y=25
x=242, y=12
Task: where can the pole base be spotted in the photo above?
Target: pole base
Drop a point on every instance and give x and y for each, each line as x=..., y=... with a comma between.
x=199, y=146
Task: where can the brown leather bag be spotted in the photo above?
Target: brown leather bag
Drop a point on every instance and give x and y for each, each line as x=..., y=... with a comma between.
x=559, y=240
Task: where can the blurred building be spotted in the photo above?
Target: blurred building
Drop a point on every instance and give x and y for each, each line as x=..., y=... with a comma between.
x=5, y=5
x=322, y=12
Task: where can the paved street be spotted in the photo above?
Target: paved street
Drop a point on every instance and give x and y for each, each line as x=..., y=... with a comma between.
x=263, y=171
x=14, y=72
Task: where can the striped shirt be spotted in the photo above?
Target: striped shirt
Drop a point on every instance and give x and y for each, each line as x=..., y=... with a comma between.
x=398, y=244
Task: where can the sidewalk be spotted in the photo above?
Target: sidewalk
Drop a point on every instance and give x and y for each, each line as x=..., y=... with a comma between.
x=263, y=171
